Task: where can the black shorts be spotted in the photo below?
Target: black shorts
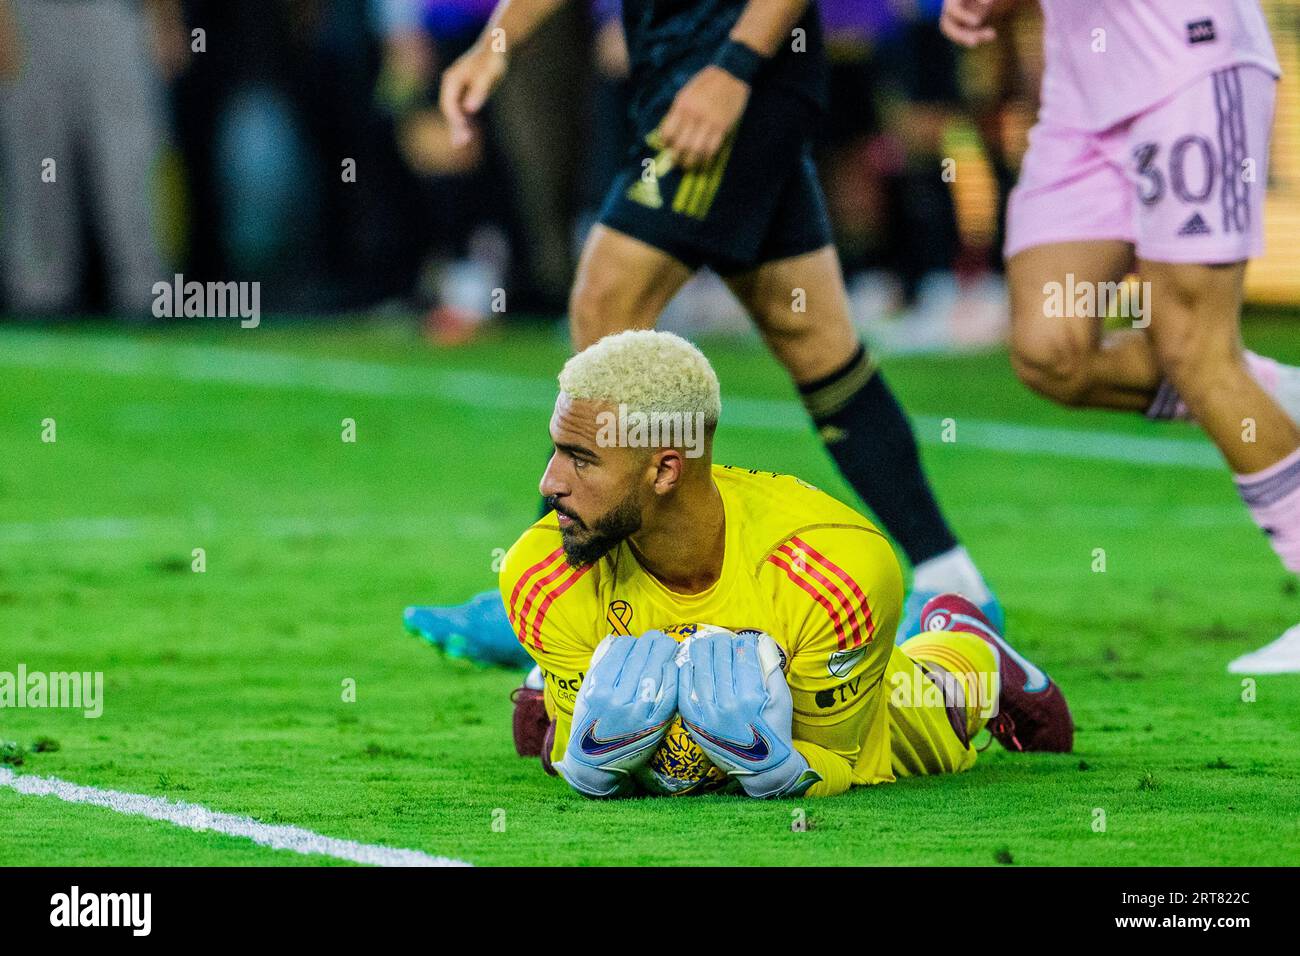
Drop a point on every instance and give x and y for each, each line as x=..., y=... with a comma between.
x=758, y=201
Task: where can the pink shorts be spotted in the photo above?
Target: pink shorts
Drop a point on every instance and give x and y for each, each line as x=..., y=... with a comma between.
x=1182, y=181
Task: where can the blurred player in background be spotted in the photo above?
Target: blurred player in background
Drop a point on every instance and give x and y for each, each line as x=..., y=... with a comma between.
x=1151, y=155
x=726, y=96
x=80, y=133
x=483, y=237
x=644, y=537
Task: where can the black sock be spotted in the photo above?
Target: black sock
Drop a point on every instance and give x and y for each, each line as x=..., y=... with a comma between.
x=871, y=440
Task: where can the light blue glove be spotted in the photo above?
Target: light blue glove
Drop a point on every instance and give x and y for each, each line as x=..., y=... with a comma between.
x=736, y=705
x=623, y=709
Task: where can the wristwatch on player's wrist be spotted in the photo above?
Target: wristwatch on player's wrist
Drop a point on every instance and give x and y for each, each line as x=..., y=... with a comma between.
x=739, y=60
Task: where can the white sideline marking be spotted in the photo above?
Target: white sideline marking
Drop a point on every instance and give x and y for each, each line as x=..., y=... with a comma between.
x=478, y=390
x=197, y=818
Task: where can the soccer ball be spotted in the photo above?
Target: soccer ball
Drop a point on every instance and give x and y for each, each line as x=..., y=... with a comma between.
x=679, y=767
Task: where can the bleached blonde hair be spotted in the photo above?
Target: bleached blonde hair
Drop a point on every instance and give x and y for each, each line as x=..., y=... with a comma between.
x=648, y=371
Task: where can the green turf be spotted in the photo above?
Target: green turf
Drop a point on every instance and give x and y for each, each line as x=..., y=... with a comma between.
x=224, y=688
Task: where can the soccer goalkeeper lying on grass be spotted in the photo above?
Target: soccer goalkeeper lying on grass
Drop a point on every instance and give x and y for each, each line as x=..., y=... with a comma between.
x=798, y=687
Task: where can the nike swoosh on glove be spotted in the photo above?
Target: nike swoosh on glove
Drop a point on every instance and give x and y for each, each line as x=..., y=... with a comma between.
x=736, y=705
x=622, y=712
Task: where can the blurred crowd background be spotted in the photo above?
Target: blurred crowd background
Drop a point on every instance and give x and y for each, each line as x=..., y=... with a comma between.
x=297, y=143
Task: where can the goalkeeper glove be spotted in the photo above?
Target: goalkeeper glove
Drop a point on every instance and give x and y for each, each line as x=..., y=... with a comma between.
x=622, y=712
x=736, y=705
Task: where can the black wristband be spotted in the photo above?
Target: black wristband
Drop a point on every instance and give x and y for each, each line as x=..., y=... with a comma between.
x=740, y=61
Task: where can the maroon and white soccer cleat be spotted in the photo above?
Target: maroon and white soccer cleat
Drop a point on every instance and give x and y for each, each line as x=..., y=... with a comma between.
x=1032, y=712
x=534, y=730
x=530, y=721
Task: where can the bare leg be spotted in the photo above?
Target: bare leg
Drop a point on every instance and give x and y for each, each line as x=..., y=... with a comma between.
x=1196, y=334
x=1068, y=358
x=811, y=343
x=622, y=283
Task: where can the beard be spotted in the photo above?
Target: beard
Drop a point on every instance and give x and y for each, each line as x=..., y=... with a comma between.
x=587, y=544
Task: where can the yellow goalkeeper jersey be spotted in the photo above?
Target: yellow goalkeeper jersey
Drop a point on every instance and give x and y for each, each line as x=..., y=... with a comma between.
x=799, y=565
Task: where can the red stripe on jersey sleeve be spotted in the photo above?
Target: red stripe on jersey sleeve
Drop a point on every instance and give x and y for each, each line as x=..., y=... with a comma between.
x=550, y=597
x=538, y=588
x=816, y=596
x=512, y=607
x=852, y=616
x=843, y=576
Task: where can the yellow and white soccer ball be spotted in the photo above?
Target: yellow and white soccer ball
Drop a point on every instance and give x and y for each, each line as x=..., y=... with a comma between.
x=679, y=767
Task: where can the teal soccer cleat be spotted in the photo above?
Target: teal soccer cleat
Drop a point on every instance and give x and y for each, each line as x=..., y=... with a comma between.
x=477, y=630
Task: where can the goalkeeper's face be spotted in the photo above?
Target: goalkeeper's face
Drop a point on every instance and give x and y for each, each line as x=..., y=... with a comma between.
x=598, y=489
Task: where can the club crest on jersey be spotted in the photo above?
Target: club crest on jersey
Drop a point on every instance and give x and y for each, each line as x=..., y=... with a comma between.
x=841, y=663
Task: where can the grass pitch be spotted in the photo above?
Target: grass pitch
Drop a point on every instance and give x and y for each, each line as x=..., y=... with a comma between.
x=225, y=688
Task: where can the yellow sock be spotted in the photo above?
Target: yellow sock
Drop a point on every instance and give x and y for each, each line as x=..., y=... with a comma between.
x=968, y=659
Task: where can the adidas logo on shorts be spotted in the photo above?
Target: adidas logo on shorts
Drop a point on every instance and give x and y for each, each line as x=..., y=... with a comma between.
x=1196, y=226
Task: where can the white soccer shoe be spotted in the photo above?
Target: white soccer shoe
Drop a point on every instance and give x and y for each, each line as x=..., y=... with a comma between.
x=1280, y=657
x=535, y=680
x=1286, y=391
